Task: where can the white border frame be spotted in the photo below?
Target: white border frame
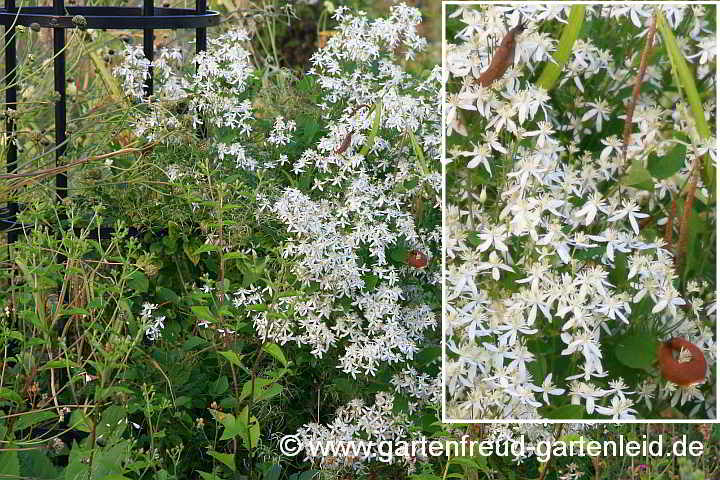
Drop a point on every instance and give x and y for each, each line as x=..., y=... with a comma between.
x=444, y=202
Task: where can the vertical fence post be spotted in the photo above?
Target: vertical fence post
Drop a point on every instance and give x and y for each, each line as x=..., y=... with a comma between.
x=201, y=33
x=10, y=110
x=61, y=184
x=201, y=46
x=149, y=45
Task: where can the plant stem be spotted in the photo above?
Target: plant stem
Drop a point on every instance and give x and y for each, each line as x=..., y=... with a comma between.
x=638, y=84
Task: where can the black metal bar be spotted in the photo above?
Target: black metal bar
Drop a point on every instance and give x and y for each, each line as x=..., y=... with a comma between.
x=11, y=104
x=201, y=46
x=201, y=33
x=60, y=103
x=130, y=18
x=149, y=45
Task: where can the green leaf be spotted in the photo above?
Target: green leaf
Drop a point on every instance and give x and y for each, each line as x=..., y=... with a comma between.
x=638, y=177
x=193, y=342
x=219, y=386
x=465, y=461
x=399, y=254
x=80, y=421
x=9, y=465
x=570, y=437
x=208, y=476
x=206, y=247
x=429, y=355
x=166, y=295
x=668, y=165
x=59, y=364
x=371, y=281
x=233, y=358
x=36, y=464
x=473, y=238
x=276, y=352
x=273, y=473
x=195, y=259
x=11, y=395
x=569, y=412
x=138, y=282
x=251, y=433
x=637, y=351
x=228, y=420
x=258, y=307
x=264, y=389
x=619, y=274
x=226, y=458
x=203, y=313
x=33, y=418
x=418, y=152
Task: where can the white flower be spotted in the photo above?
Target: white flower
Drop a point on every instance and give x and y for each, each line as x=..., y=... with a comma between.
x=495, y=264
x=600, y=109
x=621, y=409
x=631, y=211
x=547, y=388
x=495, y=236
x=544, y=134
x=480, y=154
x=669, y=298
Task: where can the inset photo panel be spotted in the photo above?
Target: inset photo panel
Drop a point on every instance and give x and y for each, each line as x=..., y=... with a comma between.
x=580, y=241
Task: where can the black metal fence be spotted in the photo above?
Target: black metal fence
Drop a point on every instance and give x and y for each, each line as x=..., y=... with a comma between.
x=58, y=17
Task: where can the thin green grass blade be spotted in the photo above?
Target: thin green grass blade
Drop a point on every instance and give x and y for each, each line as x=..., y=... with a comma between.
x=551, y=72
x=375, y=127
x=686, y=80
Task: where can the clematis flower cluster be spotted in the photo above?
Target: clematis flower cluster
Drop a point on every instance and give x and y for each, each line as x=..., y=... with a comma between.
x=375, y=181
x=541, y=278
